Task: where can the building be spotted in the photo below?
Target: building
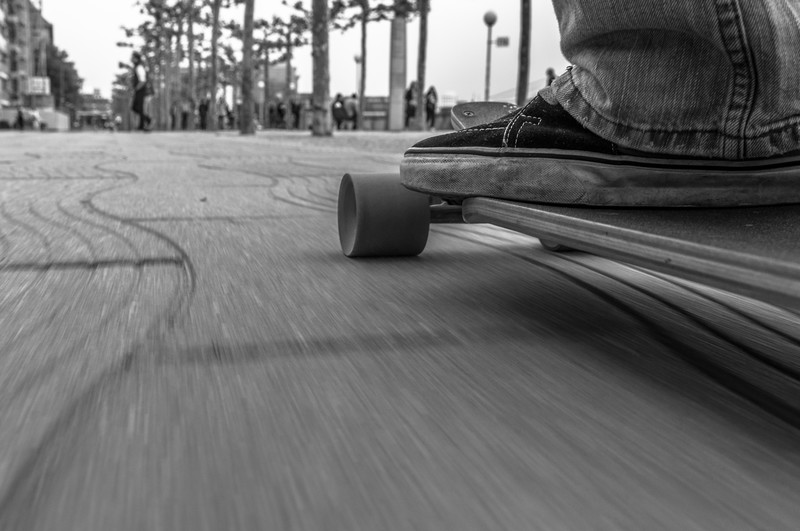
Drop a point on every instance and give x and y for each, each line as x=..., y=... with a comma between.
x=24, y=38
x=95, y=113
x=5, y=86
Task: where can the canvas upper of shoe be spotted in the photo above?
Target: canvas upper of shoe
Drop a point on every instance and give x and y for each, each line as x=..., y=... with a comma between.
x=538, y=125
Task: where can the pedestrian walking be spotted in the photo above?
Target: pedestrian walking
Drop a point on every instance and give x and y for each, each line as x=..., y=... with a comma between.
x=351, y=111
x=202, y=109
x=283, y=109
x=338, y=112
x=19, y=123
x=142, y=91
x=551, y=76
x=431, y=101
x=296, y=110
x=411, y=102
x=187, y=112
x=272, y=115
x=222, y=113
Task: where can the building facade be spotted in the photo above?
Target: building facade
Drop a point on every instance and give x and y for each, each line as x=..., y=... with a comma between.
x=24, y=38
x=4, y=57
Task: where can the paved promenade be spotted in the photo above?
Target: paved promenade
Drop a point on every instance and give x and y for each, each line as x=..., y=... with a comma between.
x=183, y=347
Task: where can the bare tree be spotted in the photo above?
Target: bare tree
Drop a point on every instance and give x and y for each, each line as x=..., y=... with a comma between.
x=524, y=52
x=321, y=120
x=246, y=126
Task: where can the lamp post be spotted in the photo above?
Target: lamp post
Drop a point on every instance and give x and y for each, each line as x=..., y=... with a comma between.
x=489, y=18
x=357, y=59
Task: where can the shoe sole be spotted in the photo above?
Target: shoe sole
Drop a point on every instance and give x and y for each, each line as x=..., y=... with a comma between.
x=570, y=178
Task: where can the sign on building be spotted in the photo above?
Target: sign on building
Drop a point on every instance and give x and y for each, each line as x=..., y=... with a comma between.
x=39, y=86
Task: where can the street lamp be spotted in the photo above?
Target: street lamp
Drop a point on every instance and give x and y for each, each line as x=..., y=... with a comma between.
x=489, y=18
x=357, y=59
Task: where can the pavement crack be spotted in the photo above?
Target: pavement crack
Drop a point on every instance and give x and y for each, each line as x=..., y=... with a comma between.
x=91, y=264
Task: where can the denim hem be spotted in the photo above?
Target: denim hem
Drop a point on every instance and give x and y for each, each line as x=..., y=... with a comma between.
x=690, y=142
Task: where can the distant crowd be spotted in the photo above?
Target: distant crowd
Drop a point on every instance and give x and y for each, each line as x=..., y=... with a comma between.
x=280, y=113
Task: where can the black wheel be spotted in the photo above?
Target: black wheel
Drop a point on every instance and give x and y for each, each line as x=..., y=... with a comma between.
x=554, y=247
x=380, y=217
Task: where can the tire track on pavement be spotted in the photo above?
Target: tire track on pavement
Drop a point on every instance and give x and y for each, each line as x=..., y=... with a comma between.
x=176, y=304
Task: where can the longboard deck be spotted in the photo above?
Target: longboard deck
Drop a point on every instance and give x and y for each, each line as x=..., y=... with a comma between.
x=753, y=251
x=466, y=115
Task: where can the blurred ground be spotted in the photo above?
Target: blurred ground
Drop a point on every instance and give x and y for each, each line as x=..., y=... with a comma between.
x=183, y=346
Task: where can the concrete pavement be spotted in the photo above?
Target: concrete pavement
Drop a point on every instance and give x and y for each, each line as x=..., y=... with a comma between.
x=182, y=346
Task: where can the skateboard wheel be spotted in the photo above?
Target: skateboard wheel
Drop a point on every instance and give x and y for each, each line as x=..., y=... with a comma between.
x=554, y=247
x=380, y=217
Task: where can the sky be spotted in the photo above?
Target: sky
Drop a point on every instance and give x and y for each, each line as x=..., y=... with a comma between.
x=88, y=31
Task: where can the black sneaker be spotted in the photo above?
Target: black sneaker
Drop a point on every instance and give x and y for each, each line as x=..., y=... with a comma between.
x=542, y=154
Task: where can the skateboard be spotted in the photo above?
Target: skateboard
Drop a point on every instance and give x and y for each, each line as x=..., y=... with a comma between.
x=752, y=251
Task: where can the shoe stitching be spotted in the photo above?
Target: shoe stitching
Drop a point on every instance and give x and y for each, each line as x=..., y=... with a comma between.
x=521, y=127
x=513, y=122
x=532, y=121
x=471, y=129
x=510, y=126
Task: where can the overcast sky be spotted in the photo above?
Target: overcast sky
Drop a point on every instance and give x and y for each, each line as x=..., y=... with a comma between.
x=88, y=30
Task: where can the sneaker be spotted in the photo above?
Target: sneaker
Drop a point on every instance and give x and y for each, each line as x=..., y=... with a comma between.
x=542, y=154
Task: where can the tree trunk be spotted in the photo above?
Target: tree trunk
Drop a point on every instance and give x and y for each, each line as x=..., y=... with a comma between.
x=265, y=110
x=235, y=98
x=177, y=93
x=421, y=60
x=397, y=69
x=215, y=35
x=246, y=118
x=157, y=100
x=524, y=52
x=191, y=89
x=321, y=119
x=362, y=85
x=287, y=95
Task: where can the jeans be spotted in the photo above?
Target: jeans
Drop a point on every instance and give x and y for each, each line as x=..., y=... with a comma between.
x=700, y=78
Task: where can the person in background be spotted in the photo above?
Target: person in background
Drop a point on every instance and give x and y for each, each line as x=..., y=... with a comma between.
x=272, y=114
x=202, y=109
x=283, y=110
x=411, y=102
x=338, y=112
x=231, y=117
x=431, y=101
x=140, y=92
x=551, y=76
x=187, y=111
x=222, y=113
x=296, y=110
x=19, y=123
x=351, y=111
